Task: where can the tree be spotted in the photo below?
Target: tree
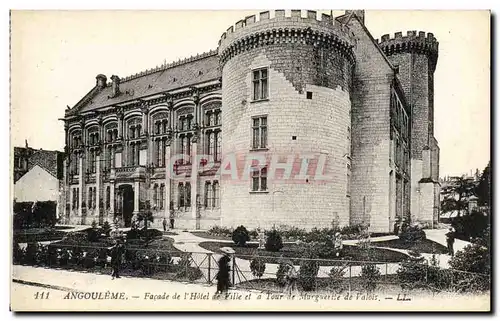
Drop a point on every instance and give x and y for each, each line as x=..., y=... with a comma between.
x=457, y=193
x=483, y=189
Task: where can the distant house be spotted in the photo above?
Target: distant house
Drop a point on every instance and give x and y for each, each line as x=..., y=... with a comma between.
x=38, y=175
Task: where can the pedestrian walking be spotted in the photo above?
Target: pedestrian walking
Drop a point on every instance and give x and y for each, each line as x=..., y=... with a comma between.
x=164, y=224
x=450, y=240
x=223, y=275
x=172, y=218
x=116, y=259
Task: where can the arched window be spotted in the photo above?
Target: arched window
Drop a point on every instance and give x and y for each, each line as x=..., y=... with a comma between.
x=216, y=195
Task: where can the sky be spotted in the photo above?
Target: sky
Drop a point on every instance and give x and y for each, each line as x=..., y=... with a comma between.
x=55, y=56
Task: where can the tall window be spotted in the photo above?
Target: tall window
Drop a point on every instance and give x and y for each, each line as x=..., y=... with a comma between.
x=180, y=191
x=162, y=194
x=187, y=190
x=155, y=195
x=89, y=201
x=259, y=180
x=208, y=196
x=259, y=129
x=214, y=144
x=108, y=197
x=216, y=197
x=260, y=84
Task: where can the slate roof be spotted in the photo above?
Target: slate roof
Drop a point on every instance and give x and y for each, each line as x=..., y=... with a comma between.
x=188, y=72
x=50, y=160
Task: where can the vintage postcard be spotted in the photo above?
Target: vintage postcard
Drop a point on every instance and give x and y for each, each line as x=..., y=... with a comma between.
x=272, y=160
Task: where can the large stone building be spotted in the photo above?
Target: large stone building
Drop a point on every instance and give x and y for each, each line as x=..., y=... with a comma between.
x=296, y=119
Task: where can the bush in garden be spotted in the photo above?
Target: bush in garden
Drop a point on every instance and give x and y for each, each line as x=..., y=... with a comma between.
x=63, y=257
x=370, y=275
x=94, y=225
x=257, y=266
x=281, y=274
x=352, y=231
x=102, y=257
x=52, y=256
x=30, y=254
x=75, y=237
x=412, y=234
x=274, y=243
x=220, y=231
x=307, y=274
x=253, y=234
x=89, y=260
x=76, y=256
x=185, y=270
x=240, y=236
x=93, y=234
x=165, y=261
x=473, y=258
x=106, y=228
x=17, y=253
x=336, y=276
x=133, y=234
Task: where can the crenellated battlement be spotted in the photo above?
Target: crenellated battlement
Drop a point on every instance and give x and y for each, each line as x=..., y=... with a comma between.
x=420, y=42
x=295, y=26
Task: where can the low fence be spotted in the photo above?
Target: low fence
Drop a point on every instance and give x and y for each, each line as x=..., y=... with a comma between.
x=327, y=275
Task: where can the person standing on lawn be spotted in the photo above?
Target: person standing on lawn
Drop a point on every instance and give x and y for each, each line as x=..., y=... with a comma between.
x=450, y=240
x=116, y=259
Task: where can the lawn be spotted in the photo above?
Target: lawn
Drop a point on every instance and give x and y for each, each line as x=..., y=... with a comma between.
x=37, y=235
x=423, y=246
x=294, y=252
x=206, y=235
x=164, y=244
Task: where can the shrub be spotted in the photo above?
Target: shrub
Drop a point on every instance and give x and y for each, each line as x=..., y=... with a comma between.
x=52, y=256
x=257, y=266
x=473, y=258
x=94, y=224
x=352, y=231
x=274, y=242
x=106, y=228
x=30, y=254
x=370, y=274
x=89, y=260
x=281, y=274
x=307, y=274
x=93, y=235
x=186, y=270
x=412, y=234
x=240, y=236
x=133, y=234
x=75, y=237
x=220, y=231
x=470, y=226
x=17, y=254
x=63, y=257
x=336, y=276
x=76, y=256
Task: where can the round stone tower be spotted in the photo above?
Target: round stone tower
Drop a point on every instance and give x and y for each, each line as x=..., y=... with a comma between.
x=415, y=55
x=286, y=84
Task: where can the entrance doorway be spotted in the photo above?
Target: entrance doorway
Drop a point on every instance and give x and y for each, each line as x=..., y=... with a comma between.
x=126, y=193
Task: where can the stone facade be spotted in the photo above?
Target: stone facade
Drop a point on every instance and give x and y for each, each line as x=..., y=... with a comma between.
x=295, y=120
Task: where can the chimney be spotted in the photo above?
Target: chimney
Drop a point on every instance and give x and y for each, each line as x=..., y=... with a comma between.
x=359, y=13
x=115, y=85
x=101, y=81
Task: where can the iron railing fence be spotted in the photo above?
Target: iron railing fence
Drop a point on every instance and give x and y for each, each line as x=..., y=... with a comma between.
x=202, y=267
